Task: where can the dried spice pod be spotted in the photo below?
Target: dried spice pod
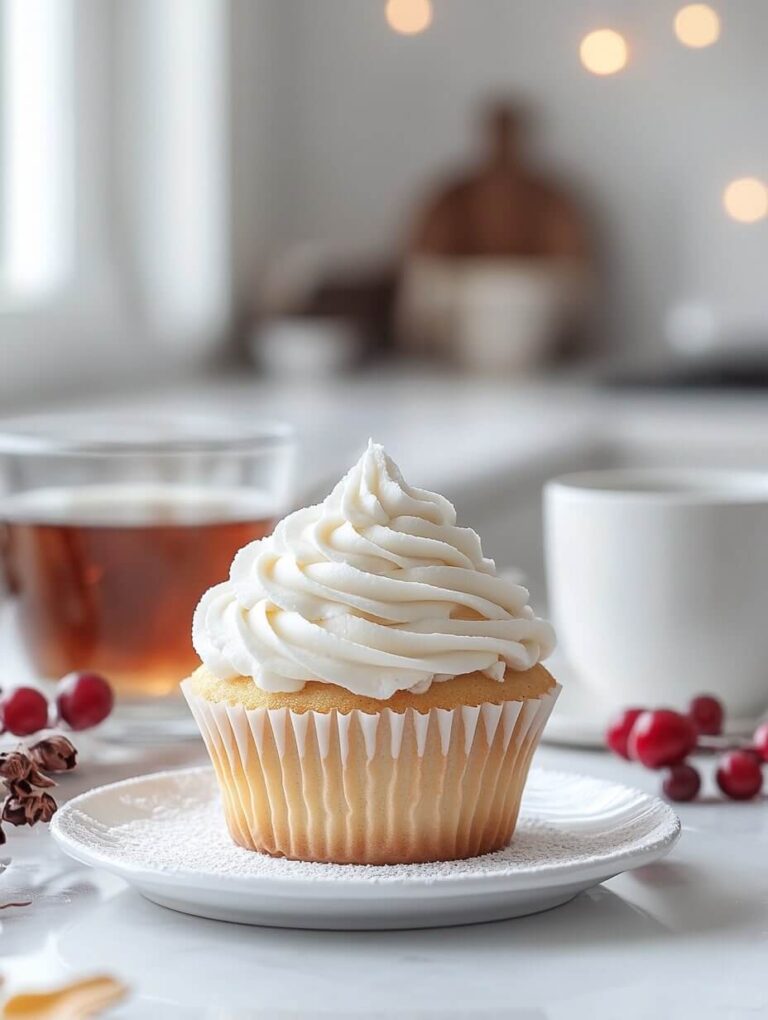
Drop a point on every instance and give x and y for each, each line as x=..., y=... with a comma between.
x=41, y=807
x=39, y=779
x=29, y=808
x=13, y=811
x=20, y=789
x=18, y=767
x=14, y=766
x=54, y=754
x=24, y=780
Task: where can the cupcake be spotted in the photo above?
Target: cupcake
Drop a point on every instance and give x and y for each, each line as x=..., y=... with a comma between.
x=371, y=691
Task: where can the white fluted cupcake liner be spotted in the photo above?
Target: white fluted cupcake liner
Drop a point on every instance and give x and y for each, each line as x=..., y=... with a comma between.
x=372, y=788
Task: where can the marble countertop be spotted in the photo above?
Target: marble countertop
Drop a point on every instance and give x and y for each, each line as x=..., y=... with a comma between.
x=687, y=936
x=456, y=432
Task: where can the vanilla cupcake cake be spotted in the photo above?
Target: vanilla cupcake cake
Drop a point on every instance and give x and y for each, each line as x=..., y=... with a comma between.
x=371, y=691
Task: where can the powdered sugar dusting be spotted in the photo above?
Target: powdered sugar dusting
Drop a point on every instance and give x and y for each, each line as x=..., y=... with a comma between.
x=172, y=823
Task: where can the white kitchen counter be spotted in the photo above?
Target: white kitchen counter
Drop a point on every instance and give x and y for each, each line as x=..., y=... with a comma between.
x=686, y=937
x=454, y=432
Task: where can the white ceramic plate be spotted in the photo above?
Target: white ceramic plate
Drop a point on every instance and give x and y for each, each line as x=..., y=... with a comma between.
x=164, y=834
x=579, y=719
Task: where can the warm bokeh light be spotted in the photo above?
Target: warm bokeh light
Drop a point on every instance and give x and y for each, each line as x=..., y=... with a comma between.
x=697, y=25
x=746, y=200
x=604, y=51
x=409, y=17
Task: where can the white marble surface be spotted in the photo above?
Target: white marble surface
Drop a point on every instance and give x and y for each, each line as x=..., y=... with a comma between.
x=453, y=431
x=684, y=937
x=687, y=937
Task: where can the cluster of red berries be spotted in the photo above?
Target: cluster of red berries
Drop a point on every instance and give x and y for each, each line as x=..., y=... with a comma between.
x=82, y=700
x=663, y=739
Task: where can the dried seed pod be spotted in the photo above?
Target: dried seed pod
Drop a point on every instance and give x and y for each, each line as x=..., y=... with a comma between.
x=20, y=789
x=14, y=766
x=54, y=754
x=13, y=811
x=40, y=780
x=41, y=807
x=29, y=809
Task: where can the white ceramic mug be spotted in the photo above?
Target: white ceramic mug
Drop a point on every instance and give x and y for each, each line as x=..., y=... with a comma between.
x=658, y=584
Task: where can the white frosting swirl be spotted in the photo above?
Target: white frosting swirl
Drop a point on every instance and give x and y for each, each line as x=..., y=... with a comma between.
x=375, y=589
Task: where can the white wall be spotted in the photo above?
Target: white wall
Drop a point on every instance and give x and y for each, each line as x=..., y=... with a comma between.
x=122, y=111
x=356, y=121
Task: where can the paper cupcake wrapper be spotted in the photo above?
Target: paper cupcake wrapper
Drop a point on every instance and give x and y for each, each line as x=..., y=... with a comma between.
x=372, y=788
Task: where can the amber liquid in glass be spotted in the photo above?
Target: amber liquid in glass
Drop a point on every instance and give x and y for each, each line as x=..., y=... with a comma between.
x=107, y=578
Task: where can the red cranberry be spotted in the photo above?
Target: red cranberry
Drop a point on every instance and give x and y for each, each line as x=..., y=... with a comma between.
x=617, y=734
x=739, y=775
x=24, y=711
x=707, y=714
x=661, y=737
x=682, y=782
x=760, y=741
x=84, y=700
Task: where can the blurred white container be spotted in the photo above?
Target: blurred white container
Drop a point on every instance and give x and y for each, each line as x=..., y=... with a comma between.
x=302, y=347
x=491, y=315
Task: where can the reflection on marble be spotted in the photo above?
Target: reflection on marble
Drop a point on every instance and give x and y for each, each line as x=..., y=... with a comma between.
x=305, y=964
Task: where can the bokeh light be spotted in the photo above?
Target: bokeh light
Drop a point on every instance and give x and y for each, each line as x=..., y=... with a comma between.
x=409, y=17
x=604, y=51
x=697, y=25
x=746, y=200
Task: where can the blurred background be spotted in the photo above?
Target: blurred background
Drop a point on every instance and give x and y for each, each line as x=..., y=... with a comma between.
x=503, y=238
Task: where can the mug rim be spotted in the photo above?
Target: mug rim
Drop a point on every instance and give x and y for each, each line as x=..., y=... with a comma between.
x=663, y=486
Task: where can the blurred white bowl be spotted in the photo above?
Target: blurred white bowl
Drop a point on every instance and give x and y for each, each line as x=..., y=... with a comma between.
x=491, y=315
x=300, y=347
